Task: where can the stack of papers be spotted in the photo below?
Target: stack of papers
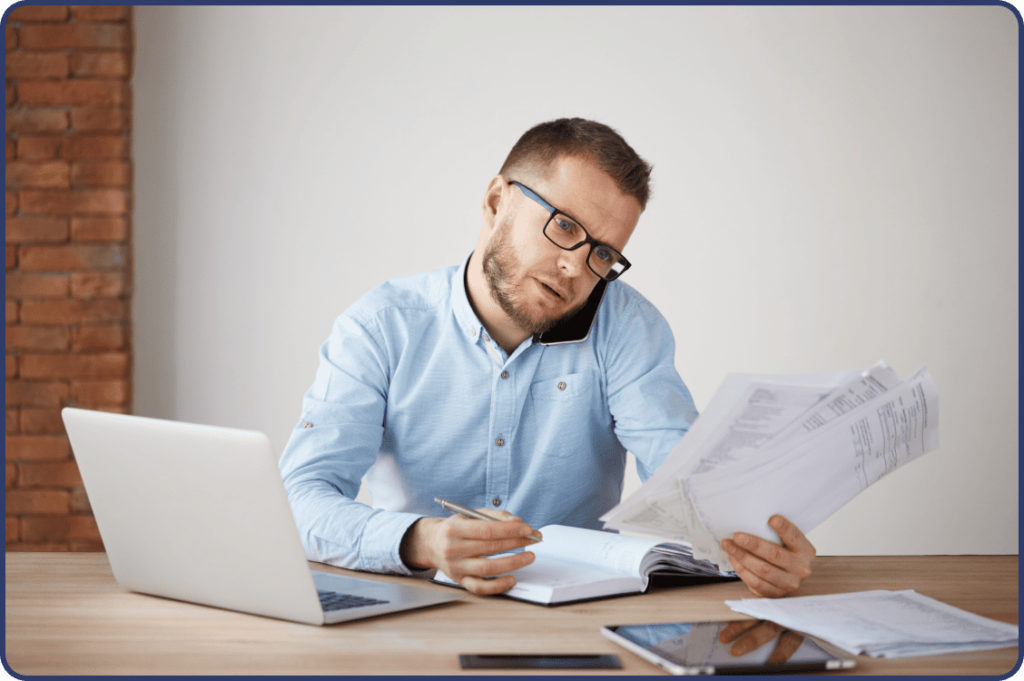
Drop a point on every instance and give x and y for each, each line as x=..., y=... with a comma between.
x=884, y=623
x=798, y=445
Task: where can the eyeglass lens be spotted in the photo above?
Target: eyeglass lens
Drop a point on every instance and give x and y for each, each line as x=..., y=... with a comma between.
x=567, y=234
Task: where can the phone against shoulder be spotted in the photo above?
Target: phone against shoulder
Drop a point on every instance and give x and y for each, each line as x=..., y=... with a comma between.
x=566, y=661
x=688, y=648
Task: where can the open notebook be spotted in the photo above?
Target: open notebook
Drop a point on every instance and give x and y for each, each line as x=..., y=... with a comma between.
x=575, y=564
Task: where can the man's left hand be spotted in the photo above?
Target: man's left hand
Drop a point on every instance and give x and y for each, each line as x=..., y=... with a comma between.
x=770, y=570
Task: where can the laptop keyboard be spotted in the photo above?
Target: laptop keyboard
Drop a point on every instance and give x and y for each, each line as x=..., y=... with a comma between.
x=332, y=600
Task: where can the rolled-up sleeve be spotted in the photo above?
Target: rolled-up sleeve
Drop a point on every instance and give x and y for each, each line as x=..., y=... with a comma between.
x=332, y=446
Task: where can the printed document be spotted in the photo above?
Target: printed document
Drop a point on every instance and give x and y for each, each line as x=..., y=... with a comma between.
x=799, y=446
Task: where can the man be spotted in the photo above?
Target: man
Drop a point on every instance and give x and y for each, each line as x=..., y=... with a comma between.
x=516, y=383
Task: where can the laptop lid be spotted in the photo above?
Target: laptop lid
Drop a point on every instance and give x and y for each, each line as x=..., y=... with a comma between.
x=199, y=513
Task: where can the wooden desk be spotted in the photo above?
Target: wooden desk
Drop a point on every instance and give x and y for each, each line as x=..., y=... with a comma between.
x=67, y=615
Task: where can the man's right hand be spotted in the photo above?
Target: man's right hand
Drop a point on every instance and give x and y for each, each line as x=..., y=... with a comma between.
x=459, y=546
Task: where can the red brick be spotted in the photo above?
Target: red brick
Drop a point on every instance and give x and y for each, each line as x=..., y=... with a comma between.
x=86, y=545
x=21, y=547
x=12, y=305
x=91, y=338
x=22, y=120
x=33, y=420
x=11, y=530
x=51, y=394
x=99, y=12
x=69, y=36
x=12, y=93
x=101, y=365
x=12, y=262
x=13, y=419
x=12, y=475
x=83, y=527
x=47, y=174
x=99, y=229
x=94, y=284
x=100, y=173
x=79, y=501
x=38, y=501
x=87, y=118
x=11, y=366
x=40, y=529
x=31, y=285
x=63, y=474
x=74, y=311
x=101, y=64
x=11, y=37
x=36, y=230
x=94, y=393
x=12, y=203
x=37, y=65
x=72, y=92
x=12, y=149
x=71, y=257
x=95, y=146
x=39, y=13
x=38, y=448
x=38, y=338
x=39, y=147
x=74, y=201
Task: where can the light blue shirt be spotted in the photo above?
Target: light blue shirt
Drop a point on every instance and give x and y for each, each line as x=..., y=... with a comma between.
x=412, y=393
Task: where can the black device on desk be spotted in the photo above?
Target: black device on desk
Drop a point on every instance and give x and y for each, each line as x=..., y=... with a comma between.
x=565, y=661
x=688, y=648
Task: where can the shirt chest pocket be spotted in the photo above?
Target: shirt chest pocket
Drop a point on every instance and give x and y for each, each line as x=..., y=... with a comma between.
x=564, y=389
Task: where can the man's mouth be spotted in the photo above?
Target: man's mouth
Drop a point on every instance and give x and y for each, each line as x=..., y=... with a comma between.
x=558, y=293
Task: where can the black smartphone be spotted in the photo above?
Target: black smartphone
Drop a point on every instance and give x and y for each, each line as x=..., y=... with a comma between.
x=578, y=327
x=552, y=661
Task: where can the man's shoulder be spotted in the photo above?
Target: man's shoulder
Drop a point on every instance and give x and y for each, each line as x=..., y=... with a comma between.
x=621, y=299
x=422, y=291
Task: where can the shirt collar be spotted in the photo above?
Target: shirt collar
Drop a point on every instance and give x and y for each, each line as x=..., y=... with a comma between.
x=464, y=314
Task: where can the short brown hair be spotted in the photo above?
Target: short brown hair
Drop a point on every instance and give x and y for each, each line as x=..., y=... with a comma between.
x=538, y=148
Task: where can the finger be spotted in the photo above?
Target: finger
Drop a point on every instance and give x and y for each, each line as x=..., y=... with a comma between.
x=487, y=587
x=755, y=638
x=770, y=552
x=497, y=515
x=792, y=537
x=763, y=579
x=489, y=567
x=788, y=644
x=460, y=527
x=733, y=630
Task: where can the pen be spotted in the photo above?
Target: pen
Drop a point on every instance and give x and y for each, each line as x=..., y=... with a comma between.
x=470, y=513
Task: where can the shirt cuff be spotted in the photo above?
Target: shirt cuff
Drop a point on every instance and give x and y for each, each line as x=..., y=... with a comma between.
x=380, y=549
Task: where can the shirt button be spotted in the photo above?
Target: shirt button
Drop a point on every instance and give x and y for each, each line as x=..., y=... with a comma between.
x=307, y=424
x=472, y=332
x=496, y=501
x=500, y=442
x=485, y=337
x=504, y=374
x=561, y=385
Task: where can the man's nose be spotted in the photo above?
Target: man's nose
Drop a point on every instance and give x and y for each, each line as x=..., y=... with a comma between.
x=574, y=263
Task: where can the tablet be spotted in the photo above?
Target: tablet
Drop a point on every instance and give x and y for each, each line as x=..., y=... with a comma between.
x=710, y=647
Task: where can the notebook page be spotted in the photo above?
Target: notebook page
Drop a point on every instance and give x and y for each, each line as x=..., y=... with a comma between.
x=594, y=549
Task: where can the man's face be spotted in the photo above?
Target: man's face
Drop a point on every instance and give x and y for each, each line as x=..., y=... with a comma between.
x=536, y=283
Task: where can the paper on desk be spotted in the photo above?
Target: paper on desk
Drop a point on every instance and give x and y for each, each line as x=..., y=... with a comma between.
x=791, y=445
x=884, y=623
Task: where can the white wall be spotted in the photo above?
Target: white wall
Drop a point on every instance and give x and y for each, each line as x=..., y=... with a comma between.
x=832, y=186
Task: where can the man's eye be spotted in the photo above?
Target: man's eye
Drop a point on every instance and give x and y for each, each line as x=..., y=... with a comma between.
x=603, y=253
x=566, y=225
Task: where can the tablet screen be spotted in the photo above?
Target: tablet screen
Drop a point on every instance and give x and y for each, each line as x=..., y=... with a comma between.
x=737, y=647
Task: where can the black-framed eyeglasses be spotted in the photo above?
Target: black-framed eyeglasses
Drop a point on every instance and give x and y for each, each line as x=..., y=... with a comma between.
x=568, y=234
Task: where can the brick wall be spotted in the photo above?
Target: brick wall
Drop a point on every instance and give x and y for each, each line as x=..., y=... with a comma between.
x=69, y=191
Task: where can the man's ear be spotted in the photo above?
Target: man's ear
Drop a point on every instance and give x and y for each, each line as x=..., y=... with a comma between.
x=496, y=189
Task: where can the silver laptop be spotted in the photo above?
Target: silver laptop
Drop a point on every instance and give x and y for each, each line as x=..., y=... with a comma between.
x=199, y=514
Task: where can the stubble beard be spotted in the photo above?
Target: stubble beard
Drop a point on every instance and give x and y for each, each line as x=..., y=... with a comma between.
x=498, y=261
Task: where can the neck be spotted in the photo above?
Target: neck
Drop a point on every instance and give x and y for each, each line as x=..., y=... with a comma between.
x=498, y=324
